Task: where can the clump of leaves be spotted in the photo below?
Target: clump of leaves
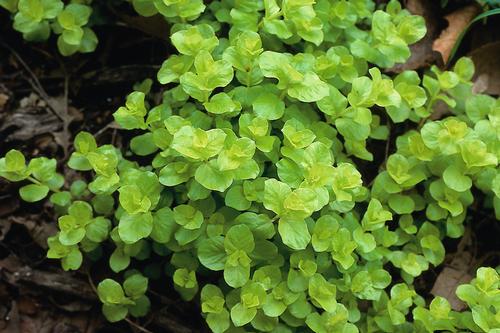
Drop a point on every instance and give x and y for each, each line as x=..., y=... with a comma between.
x=251, y=175
x=37, y=19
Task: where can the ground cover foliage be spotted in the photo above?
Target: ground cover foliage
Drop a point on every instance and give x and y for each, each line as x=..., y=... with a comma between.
x=258, y=176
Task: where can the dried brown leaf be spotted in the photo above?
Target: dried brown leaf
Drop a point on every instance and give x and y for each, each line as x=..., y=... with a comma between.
x=457, y=23
x=422, y=54
x=487, y=62
x=11, y=322
x=446, y=285
x=39, y=232
x=3, y=100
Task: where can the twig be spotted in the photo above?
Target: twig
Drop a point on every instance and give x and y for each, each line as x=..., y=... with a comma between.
x=37, y=86
x=137, y=326
x=61, y=111
x=92, y=285
x=102, y=130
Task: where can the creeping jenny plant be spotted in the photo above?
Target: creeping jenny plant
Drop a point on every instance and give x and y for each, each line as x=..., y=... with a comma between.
x=255, y=175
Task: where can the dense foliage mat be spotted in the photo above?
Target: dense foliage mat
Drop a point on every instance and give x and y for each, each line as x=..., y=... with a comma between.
x=265, y=175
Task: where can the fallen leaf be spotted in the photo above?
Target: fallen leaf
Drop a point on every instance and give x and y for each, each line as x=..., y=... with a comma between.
x=446, y=285
x=8, y=200
x=4, y=228
x=73, y=306
x=487, y=76
x=3, y=100
x=12, y=320
x=28, y=122
x=16, y=273
x=422, y=54
x=39, y=232
x=27, y=305
x=457, y=23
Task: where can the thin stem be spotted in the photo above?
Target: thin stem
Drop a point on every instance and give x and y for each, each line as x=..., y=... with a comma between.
x=37, y=182
x=283, y=94
x=137, y=326
x=428, y=110
x=35, y=82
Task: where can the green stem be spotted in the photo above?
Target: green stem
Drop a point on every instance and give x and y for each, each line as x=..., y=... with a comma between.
x=272, y=17
x=37, y=182
x=249, y=78
x=429, y=111
x=283, y=94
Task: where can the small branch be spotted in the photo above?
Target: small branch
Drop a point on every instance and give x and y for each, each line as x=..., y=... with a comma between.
x=34, y=81
x=137, y=326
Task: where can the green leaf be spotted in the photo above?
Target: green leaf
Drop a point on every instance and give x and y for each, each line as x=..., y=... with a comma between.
x=173, y=68
x=375, y=216
x=275, y=193
x=212, y=254
x=10, y=5
x=487, y=279
x=345, y=179
x=237, y=269
x=218, y=322
x=175, y=173
x=237, y=155
x=110, y=292
x=323, y=292
x=198, y=144
x=294, y=233
x=241, y=315
x=221, y=103
x=14, y=161
x=302, y=202
x=118, y=260
x=72, y=232
x=114, y=312
x=268, y=106
x=195, y=39
x=141, y=307
x=33, y=192
x=61, y=198
x=297, y=135
x=401, y=204
x=324, y=229
x=133, y=228
x=133, y=200
x=210, y=177
x=144, y=7
x=84, y=143
x=73, y=260
x=132, y=115
x=164, y=225
x=235, y=198
x=143, y=145
x=135, y=285
x=239, y=237
x=455, y=179
x=475, y=154
x=188, y=217
x=97, y=230
x=310, y=89
x=209, y=75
